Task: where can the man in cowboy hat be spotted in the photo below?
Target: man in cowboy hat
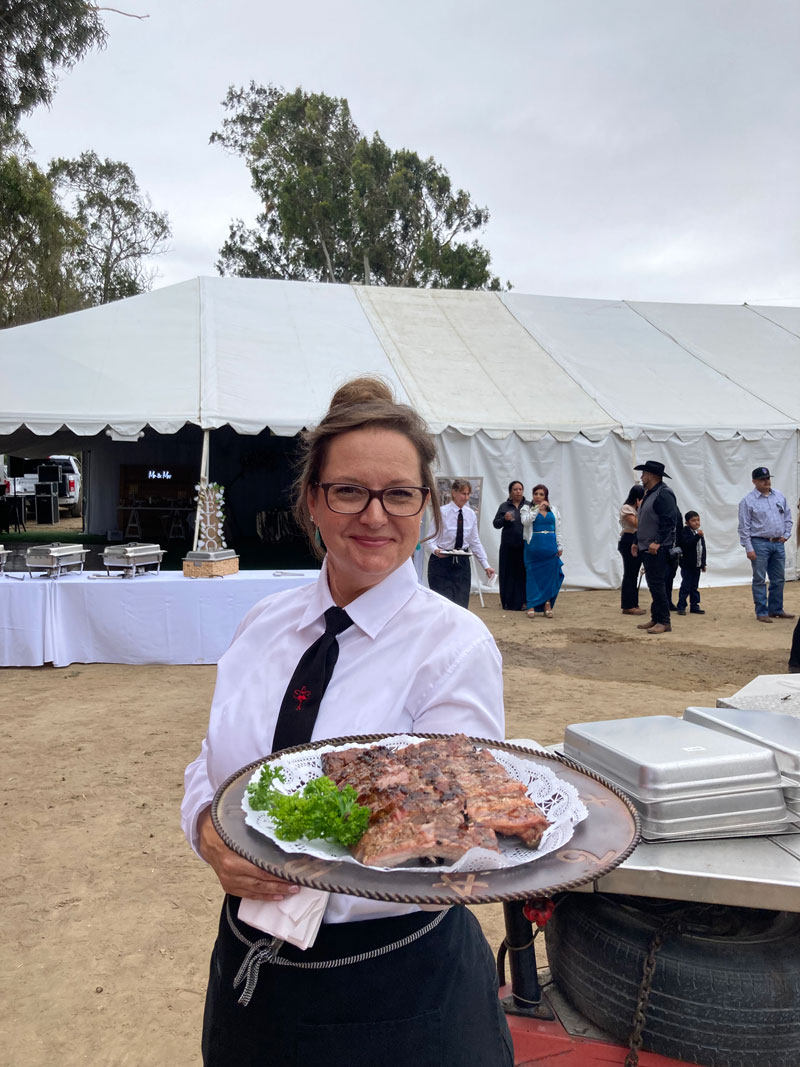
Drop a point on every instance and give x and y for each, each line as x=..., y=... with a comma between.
x=765, y=525
x=655, y=538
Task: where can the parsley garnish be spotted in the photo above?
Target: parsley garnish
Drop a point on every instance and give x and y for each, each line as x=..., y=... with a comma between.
x=321, y=810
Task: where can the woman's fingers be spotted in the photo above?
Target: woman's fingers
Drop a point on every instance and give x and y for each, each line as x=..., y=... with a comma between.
x=236, y=874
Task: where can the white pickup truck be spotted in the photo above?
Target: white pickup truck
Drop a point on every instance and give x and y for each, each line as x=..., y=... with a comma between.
x=69, y=486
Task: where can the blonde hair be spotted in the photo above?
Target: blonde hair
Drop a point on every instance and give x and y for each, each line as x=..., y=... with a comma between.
x=361, y=403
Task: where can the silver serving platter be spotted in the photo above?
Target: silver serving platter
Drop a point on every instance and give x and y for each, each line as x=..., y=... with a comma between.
x=659, y=757
x=55, y=559
x=132, y=559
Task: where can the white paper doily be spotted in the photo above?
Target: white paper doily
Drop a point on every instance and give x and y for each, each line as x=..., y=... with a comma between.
x=558, y=800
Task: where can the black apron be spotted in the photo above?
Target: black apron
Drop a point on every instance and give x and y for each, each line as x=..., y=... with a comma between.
x=430, y=1003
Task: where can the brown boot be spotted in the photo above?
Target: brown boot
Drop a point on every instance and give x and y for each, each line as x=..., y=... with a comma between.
x=660, y=628
x=633, y=611
x=645, y=625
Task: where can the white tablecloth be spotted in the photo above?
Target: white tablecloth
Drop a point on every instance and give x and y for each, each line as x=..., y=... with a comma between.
x=153, y=618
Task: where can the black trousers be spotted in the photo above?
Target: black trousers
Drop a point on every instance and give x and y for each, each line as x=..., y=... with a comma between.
x=451, y=576
x=690, y=580
x=432, y=1003
x=794, y=654
x=512, y=577
x=629, y=593
x=656, y=571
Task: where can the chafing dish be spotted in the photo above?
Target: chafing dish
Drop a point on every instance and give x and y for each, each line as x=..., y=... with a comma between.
x=55, y=559
x=687, y=781
x=132, y=559
x=779, y=733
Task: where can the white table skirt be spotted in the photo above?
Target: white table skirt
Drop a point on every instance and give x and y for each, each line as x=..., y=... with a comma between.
x=153, y=618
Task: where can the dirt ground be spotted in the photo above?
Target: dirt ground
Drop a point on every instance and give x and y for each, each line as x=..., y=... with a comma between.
x=108, y=918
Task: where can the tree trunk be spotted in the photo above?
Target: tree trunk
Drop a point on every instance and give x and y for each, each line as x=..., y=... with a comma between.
x=367, y=275
x=328, y=264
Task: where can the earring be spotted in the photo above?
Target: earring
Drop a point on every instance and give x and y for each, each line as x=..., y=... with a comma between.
x=317, y=538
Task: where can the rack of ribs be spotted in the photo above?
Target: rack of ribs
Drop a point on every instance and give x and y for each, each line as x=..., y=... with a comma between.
x=431, y=802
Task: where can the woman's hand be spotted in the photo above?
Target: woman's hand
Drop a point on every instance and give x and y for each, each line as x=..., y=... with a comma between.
x=490, y=572
x=634, y=549
x=509, y=516
x=237, y=875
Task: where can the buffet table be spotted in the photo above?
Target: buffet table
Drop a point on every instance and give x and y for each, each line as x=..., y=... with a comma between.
x=153, y=618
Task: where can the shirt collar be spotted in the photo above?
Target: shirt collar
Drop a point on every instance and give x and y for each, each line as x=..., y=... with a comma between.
x=372, y=610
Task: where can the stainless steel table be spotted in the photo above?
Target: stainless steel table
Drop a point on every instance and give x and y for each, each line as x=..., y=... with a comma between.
x=748, y=872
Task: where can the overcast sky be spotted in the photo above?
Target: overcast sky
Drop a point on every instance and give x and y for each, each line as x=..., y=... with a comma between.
x=630, y=149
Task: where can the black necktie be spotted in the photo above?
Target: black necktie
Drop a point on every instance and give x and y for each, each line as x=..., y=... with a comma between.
x=304, y=692
x=460, y=530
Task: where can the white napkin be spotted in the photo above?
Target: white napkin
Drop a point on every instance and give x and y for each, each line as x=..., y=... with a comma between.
x=295, y=919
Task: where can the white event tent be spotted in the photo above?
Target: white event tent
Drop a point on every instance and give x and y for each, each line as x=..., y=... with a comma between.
x=569, y=392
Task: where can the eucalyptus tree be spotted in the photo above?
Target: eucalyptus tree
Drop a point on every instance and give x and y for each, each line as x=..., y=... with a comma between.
x=342, y=207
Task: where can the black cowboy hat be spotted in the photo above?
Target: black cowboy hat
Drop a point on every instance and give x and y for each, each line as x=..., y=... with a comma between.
x=654, y=467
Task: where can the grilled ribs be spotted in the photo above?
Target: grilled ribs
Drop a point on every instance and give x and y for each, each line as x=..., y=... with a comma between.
x=433, y=801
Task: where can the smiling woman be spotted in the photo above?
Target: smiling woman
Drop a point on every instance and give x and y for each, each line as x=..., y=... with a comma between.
x=383, y=983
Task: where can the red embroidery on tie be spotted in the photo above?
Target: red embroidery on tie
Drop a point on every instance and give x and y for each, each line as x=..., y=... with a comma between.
x=301, y=695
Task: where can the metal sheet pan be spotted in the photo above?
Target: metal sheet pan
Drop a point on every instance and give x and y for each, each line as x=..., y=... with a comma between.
x=599, y=843
x=779, y=733
x=660, y=757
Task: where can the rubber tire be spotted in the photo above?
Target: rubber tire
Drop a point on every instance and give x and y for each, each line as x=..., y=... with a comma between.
x=75, y=511
x=726, y=993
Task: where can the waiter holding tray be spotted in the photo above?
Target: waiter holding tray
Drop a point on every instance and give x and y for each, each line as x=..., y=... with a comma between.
x=369, y=650
x=455, y=539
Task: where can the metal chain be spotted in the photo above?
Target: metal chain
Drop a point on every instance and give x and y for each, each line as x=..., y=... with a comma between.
x=676, y=924
x=648, y=972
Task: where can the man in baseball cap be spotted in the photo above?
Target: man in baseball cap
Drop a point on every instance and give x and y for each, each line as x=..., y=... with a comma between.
x=765, y=525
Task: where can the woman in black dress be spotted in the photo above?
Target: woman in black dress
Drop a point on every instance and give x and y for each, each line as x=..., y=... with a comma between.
x=512, y=547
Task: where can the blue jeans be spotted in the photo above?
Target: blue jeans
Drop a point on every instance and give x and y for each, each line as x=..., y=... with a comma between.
x=769, y=563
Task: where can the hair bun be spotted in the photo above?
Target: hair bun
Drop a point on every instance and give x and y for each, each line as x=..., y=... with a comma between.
x=364, y=390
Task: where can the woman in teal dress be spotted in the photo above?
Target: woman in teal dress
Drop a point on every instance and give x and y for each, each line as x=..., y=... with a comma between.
x=544, y=572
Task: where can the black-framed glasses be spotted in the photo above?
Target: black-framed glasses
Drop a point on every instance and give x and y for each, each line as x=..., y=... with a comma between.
x=402, y=501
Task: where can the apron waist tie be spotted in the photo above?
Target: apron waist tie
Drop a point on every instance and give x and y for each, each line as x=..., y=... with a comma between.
x=267, y=949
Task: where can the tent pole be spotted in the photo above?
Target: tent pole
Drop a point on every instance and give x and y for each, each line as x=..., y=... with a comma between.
x=203, y=482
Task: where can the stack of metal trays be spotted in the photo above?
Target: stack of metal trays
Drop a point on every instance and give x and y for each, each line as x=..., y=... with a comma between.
x=132, y=559
x=779, y=733
x=55, y=559
x=4, y=554
x=687, y=782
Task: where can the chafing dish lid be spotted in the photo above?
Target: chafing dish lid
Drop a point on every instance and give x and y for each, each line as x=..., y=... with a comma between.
x=780, y=733
x=131, y=551
x=55, y=551
x=659, y=756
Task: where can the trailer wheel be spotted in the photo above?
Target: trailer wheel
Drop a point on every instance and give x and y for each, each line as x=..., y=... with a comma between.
x=726, y=987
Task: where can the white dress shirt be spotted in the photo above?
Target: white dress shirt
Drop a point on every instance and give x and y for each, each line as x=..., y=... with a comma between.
x=446, y=534
x=413, y=662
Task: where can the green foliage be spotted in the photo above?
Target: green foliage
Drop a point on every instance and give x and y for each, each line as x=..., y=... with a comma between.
x=36, y=237
x=341, y=207
x=321, y=811
x=37, y=37
x=118, y=225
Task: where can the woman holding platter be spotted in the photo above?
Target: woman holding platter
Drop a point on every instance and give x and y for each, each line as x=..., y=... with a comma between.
x=383, y=984
x=543, y=547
